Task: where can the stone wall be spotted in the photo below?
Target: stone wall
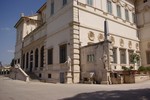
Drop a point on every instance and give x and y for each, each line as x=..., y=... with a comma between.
x=136, y=78
x=140, y=78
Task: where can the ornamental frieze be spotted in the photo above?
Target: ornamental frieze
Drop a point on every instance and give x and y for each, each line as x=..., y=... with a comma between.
x=100, y=37
x=121, y=42
x=91, y=36
x=130, y=44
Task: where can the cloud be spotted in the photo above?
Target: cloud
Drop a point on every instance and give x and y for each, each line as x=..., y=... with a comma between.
x=10, y=51
x=5, y=29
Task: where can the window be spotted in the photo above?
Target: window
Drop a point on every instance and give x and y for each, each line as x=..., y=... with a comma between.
x=50, y=56
x=90, y=2
x=122, y=56
x=49, y=76
x=148, y=57
x=42, y=57
x=31, y=56
x=27, y=60
x=52, y=7
x=144, y=1
x=118, y=11
x=64, y=2
x=109, y=7
x=130, y=59
x=18, y=61
x=63, y=53
x=114, y=55
x=40, y=75
x=127, y=14
x=36, y=58
x=133, y=17
x=90, y=58
x=23, y=63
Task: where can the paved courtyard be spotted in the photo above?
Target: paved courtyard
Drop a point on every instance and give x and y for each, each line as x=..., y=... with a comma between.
x=19, y=90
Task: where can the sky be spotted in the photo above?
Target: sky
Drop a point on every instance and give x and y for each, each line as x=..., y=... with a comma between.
x=10, y=11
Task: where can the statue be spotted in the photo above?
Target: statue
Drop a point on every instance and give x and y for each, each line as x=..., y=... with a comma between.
x=68, y=62
x=104, y=60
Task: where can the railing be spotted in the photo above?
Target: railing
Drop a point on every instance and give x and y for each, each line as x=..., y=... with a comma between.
x=18, y=73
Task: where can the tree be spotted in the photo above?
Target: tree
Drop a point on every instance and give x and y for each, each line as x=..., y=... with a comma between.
x=134, y=58
x=12, y=63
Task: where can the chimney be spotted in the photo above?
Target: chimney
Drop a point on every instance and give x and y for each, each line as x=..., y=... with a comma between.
x=22, y=14
x=105, y=29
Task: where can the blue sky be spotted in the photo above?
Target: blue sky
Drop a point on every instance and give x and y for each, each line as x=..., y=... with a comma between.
x=10, y=13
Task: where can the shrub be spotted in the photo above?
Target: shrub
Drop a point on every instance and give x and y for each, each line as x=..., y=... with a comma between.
x=148, y=69
x=142, y=69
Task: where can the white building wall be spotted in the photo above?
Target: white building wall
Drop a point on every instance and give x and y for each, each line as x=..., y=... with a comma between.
x=91, y=19
x=143, y=19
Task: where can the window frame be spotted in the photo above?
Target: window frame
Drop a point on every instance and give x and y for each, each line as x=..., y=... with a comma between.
x=90, y=2
x=64, y=2
x=130, y=52
x=123, y=57
x=148, y=57
x=62, y=53
x=50, y=56
x=90, y=58
x=119, y=14
x=49, y=75
x=114, y=55
x=127, y=15
x=109, y=7
x=134, y=17
x=52, y=7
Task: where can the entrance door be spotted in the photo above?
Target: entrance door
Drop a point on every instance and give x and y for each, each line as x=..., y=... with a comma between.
x=62, y=77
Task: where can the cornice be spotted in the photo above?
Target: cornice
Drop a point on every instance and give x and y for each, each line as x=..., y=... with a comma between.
x=124, y=4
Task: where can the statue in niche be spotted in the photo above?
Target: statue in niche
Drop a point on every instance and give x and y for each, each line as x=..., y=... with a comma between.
x=68, y=62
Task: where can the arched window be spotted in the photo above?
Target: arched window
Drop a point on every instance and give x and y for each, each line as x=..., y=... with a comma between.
x=27, y=60
x=42, y=57
x=23, y=63
x=31, y=61
x=31, y=56
x=36, y=58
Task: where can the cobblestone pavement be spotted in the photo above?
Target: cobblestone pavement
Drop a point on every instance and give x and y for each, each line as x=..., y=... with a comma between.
x=19, y=90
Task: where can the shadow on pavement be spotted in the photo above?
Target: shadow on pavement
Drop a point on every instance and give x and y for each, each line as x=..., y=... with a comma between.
x=141, y=94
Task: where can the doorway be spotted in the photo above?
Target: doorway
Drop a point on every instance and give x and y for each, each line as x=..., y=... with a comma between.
x=62, y=77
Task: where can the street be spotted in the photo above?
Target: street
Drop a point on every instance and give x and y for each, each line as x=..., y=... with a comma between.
x=19, y=90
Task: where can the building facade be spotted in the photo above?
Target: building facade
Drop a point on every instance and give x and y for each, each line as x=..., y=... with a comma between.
x=143, y=23
x=51, y=42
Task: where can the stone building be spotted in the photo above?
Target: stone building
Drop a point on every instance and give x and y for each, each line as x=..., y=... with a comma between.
x=50, y=43
x=143, y=24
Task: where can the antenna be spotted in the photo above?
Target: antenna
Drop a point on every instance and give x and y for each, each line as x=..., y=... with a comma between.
x=22, y=14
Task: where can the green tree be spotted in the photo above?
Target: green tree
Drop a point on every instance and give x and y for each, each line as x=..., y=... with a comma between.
x=134, y=58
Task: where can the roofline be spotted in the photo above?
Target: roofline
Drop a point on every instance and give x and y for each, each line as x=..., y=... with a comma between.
x=21, y=19
x=41, y=8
